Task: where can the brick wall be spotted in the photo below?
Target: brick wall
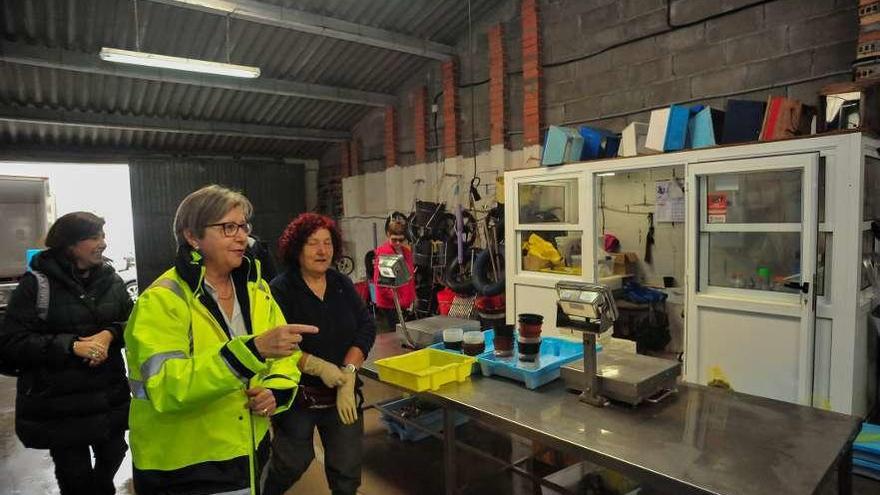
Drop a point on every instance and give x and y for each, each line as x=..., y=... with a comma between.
x=497, y=85
x=354, y=157
x=420, y=124
x=531, y=73
x=345, y=160
x=390, y=137
x=450, y=109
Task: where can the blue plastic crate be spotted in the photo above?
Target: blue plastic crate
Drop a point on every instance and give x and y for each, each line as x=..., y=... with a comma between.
x=433, y=420
x=555, y=352
x=867, y=444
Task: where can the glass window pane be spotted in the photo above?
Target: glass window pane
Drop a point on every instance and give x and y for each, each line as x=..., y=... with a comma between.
x=821, y=191
x=552, y=252
x=868, y=252
x=823, y=255
x=754, y=260
x=755, y=197
x=871, y=208
x=552, y=201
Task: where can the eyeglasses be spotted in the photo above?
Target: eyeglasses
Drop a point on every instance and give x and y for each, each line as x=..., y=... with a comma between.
x=230, y=229
x=396, y=239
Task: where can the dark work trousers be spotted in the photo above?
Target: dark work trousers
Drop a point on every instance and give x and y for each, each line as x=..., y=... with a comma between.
x=388, y=318
x=74, y=470
x=293, y=450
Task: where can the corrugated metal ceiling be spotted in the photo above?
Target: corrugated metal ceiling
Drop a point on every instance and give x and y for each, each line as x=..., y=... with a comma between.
x=87, y=25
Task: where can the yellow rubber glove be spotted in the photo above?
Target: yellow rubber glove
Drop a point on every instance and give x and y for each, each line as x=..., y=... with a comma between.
x=346, y=404
x=328, y=372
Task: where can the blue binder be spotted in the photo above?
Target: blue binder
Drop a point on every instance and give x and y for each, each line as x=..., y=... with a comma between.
x=743, y=121
x=676, y=129
x=598, y=143
x=704, y=128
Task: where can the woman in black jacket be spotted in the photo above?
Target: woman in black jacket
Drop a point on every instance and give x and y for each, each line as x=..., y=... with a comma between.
x=72, y=392
x=310, y=292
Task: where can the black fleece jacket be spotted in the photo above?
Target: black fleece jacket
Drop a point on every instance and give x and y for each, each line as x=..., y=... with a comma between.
x=342, y=318
x=60, y=400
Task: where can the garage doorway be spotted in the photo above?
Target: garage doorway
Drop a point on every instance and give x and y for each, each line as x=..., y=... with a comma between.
x=103, y=189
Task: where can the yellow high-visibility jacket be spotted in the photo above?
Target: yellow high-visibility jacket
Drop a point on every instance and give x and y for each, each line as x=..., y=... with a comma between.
x=189, y=421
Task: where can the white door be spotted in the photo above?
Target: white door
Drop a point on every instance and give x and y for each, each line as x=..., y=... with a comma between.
x=751, y=275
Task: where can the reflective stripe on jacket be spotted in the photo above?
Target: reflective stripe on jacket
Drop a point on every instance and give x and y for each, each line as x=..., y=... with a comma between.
x=188, y=377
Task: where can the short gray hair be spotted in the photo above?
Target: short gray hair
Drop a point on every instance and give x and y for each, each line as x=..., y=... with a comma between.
x=205, y=206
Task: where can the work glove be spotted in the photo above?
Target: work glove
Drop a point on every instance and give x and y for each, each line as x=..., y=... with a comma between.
x=329, y=373
x=345, y=401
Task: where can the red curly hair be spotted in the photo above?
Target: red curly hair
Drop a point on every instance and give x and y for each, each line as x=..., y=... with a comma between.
x=298, y=231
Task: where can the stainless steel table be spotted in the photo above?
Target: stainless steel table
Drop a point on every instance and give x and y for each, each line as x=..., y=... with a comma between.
x=700, y=440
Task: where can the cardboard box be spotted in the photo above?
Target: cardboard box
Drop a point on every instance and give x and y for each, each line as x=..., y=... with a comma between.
x=624, y=263
x=853, y=105
x=785, y=118
x=534, y=263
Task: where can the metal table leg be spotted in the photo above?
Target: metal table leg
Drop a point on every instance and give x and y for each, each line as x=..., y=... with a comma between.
x=449, y=450
x=844, y=473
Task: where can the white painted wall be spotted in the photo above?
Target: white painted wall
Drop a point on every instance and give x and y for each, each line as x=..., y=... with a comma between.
x=634, y=191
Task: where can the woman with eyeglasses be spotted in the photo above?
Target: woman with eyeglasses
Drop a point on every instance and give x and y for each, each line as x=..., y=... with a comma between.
x=396, y=244
x=309, y=291
x=210, y=358
x=63, y=335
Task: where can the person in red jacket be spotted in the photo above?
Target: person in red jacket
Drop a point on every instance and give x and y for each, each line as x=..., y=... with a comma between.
x=405, y=294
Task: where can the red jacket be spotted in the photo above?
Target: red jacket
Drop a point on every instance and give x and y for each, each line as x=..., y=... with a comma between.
x=407, y=293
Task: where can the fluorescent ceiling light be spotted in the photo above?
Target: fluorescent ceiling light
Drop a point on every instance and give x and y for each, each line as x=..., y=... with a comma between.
x=177, y=63
x=606, y=174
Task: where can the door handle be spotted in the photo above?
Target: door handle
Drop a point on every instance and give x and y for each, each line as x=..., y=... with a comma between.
x=804, y=287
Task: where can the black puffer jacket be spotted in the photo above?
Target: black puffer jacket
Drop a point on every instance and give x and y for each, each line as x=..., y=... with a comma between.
x=60, y=400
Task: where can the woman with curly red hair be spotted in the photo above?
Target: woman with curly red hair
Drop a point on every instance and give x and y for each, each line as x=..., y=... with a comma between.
x=329, y=398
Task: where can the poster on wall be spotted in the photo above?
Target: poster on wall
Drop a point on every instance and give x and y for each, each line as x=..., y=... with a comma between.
x=669, y=201
x=716, y=207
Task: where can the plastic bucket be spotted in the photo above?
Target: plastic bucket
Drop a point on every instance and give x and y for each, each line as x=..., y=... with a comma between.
x=444, y=301
x=530, y=325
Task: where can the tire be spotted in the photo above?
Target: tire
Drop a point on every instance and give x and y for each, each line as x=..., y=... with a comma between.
x=345, y=265
x=458, y=276
x=131, y=287
x=482, y=280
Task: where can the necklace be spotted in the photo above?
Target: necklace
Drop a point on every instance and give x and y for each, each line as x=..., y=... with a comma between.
x=225, y=297
x=229, y=293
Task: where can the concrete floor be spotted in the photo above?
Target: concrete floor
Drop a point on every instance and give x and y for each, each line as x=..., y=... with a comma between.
x=391, y=467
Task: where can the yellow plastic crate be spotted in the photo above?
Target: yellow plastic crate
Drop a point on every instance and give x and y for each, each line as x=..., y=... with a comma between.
x=425, y=369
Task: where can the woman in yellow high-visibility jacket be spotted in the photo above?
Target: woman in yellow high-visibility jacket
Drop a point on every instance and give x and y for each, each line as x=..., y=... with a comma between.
x=210, y=358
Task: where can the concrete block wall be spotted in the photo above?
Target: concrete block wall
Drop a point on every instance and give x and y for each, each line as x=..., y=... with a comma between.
x=606, y=63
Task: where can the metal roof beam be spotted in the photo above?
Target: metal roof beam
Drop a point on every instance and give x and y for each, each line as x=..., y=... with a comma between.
x=307, y=22
x=177, y=126
x=56, y=58
x=66, y=153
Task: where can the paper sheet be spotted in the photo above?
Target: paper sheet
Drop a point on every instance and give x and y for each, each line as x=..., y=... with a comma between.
x=669, y=201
